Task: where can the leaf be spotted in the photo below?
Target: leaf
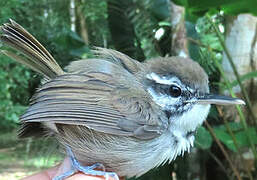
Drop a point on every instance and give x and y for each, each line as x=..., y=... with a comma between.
x=240, y=137
x=164, y=23
x=234, y=126
x=160, y=9
x=203, y=138
x=225, y=138
x=79, y=51
x=123, y=29
x=244, y=77
x=232, y=7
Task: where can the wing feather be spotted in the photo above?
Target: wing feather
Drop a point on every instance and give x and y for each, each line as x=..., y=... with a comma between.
x=98, y=101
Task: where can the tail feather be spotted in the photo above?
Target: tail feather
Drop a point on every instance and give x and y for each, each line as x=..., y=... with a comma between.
x=38, y=58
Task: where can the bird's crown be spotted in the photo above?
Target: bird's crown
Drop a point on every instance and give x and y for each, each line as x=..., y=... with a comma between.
x=187, y=71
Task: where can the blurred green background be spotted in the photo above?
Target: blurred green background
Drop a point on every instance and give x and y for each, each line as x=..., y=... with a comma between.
x=142, y=29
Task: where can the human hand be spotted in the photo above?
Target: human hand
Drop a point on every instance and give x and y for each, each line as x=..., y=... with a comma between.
x=50, y=173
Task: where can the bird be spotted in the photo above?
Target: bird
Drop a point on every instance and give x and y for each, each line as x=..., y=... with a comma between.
x=112, y=112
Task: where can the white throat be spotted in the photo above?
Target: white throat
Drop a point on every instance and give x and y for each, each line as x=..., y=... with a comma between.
x=184, y=117
x=188, y=122
x=191, y=119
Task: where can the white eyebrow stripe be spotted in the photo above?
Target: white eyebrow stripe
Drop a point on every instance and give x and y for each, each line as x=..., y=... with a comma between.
x=163, y=80
x=162, y=99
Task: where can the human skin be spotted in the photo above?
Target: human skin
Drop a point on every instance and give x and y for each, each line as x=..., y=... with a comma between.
x=50, y=173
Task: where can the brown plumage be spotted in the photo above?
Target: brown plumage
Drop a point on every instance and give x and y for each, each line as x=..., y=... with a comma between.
x=96, y=97
x=39, y=59
x=189, y=72
x=112, y=109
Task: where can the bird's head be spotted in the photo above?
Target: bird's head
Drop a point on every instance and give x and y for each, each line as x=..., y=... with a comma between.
x=180, y=87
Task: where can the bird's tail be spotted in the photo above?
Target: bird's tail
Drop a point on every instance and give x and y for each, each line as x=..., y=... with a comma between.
x=36, y=56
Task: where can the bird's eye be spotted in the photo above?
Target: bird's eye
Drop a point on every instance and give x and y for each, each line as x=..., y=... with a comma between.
x=175, y=91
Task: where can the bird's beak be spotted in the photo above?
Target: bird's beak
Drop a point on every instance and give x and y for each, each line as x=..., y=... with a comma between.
x=219, y=100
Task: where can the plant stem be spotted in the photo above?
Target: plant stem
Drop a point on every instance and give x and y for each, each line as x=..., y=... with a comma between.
x=216, y=160
x=234, y=140
x=244, y=93
x=220, y=164
x=248, y=104
x=199, y=43
x=241, y=115
x=223, y=151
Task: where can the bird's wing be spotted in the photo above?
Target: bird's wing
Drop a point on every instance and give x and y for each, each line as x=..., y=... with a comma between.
x=115, y=57
x=114, y=104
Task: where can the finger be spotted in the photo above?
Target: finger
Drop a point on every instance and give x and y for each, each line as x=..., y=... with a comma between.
x=81, y=176
x=66, y=166
x=44, y=175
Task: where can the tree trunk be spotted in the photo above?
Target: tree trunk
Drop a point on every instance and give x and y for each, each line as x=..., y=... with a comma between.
x=240, y=40
x=241, y=43
x=81, y=26
x=72, y=15
x=178, y=31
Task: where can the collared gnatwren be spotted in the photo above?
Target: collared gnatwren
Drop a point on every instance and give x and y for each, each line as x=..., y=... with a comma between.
x=128, y=116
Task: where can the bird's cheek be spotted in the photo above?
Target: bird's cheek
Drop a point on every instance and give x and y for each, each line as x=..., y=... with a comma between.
x=191, y=119
x=197, y=115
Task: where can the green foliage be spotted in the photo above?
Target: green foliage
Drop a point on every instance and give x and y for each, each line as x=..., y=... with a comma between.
x=25, y=155
x=122, y=29
x=147, y=17
x=57, y=37
x=244, y=77
x=50, y=24
x=134, y=31
x=70, y=44
x=235, y=136
x=240, y=135
x=160, y=9
x=212, y=47
x=197, y=8
x=95, y=12
x=203, y=138
x=14, y=93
